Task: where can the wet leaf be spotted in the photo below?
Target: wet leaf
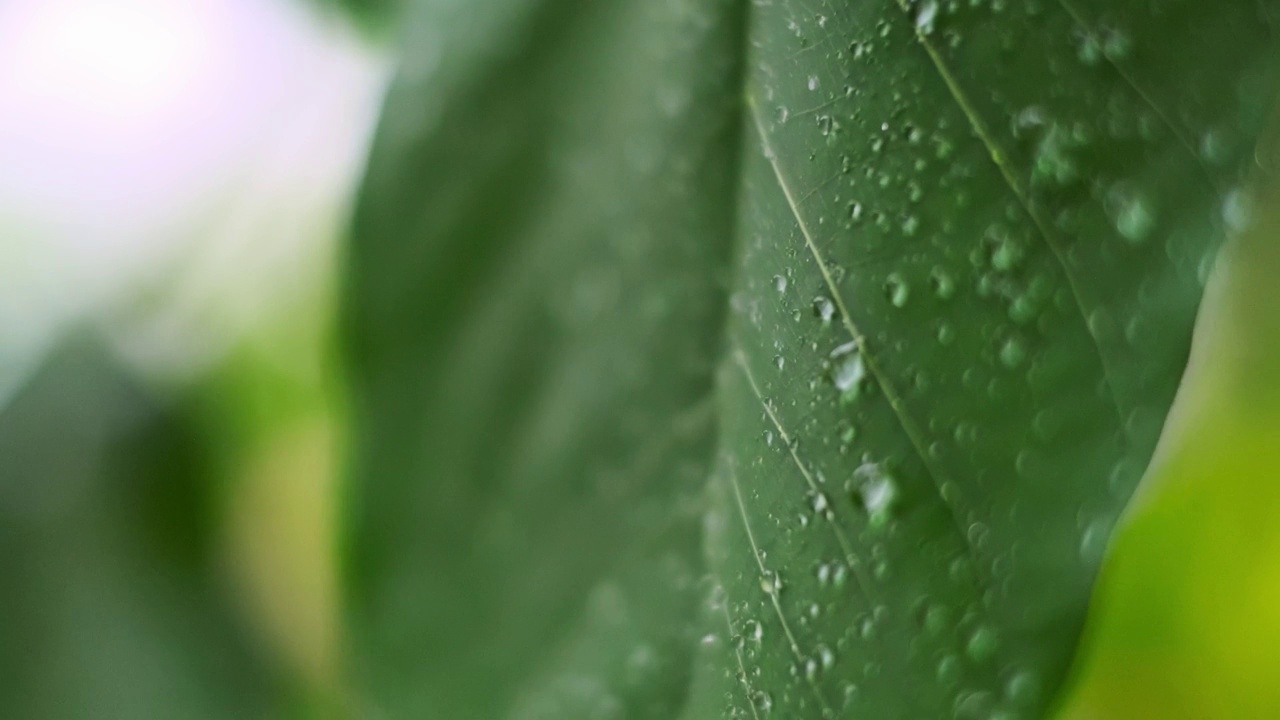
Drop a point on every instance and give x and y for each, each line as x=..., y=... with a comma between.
x=792, y=359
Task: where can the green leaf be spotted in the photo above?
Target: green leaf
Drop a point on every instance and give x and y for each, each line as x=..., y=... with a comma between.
x=1181, y=624
x=790, y=359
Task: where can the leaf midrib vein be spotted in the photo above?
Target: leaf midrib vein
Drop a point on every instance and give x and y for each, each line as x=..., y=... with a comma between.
x=851, y=558
x=914, y=436
x=1084, y=24
x=1001, y=160
x=742, y=666
x=773, y=595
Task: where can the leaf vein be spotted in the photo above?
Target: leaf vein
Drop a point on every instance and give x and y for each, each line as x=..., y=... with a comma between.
x=846, y=547
x=894, y=398
x=1086, y=26
x=773, y=593
x=742, y=666
x=1001, y=160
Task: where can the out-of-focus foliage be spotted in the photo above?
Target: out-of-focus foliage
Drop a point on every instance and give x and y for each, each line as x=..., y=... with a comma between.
x=112, y=599
x=376, y=16
x=945, y=259
x=1187, y=620
x=567, y=208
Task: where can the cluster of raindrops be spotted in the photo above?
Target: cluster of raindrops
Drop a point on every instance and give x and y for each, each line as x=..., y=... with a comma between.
x=929, y=246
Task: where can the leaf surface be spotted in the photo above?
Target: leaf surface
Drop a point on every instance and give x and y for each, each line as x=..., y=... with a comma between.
x=795, y=358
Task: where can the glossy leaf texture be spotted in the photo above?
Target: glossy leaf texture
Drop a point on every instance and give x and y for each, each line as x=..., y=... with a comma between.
x=788, y=359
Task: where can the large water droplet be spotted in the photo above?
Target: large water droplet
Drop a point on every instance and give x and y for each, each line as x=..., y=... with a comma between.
x=1116, y=44
x=982, y=644
x=910, y=225
x=897, y=290
x=949, y=670
x=937, y=618
x=824, y=308
x=771, y=583
x=847, y=368
x=877, y=490
x=826, y=657
x=1012, y=353
x=925, y=16
x=1023, y=689
x=1237, y=210
x=1132, y=213
x=944, y=286
x=1093, y=540
x=855, y=211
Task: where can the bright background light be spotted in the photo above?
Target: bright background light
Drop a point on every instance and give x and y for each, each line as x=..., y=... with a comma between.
x=185, y=147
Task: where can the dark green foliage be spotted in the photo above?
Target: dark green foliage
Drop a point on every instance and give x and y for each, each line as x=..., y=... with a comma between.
x=712, y=360
x=112, y=604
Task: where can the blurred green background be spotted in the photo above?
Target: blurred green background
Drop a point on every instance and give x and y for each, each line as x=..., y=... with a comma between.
x=175, y=179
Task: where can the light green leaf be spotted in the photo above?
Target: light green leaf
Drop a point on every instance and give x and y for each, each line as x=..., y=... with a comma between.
x=794, y=358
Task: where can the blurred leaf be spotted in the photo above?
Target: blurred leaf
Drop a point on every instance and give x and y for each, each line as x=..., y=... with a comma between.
x=1185, y=622
x=112, y=605
x=376, y=16
x=268, y=411
x=968, y=244
x=533, y=370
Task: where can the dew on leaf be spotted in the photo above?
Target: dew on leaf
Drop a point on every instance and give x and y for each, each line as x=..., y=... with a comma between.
x=1023, y=689
x=1012, y=353
x=897, y=290
x=1090, y=50
x=877, y=491
x=839, y=575
x=1116, y=44
x=826, y=657
x=910, y=225
x=1237, y=210
x=824, y=308
x=1054, y=164
x=1006, y=255
x=846, y=431
x=771, y=583
x=1022, y=310
x=982, y=644
x=925, y=16
x=946, y=333
x=820, y=503
x=937, y=618
x=847, y=368
x=824, y=573
x=1214, y=148
x=1093, y=540
x=974, y=705
x=1132, y=213
x=948, y=672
